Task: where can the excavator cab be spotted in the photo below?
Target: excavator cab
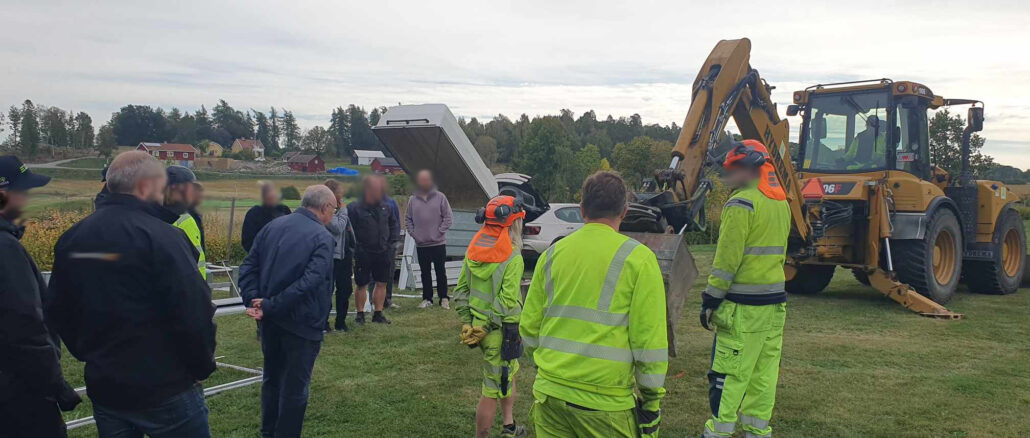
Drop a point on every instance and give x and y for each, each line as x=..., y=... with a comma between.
x=863, y=129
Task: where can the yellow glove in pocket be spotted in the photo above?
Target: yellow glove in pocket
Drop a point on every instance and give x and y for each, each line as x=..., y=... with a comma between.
x=476, y=336
x=466, y=330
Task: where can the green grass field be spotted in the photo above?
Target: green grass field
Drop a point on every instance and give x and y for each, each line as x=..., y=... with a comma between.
x=855, y=365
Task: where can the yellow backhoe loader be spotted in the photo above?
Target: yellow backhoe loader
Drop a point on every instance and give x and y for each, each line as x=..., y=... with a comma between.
x=862, y=190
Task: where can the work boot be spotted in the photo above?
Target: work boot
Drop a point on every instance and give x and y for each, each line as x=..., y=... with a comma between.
x=341, y=325
x=445, y=303
x=379, y=318
x=425, y=304
x=360, y=319
x=513, y=431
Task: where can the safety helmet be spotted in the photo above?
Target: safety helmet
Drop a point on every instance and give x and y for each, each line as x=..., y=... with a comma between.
x=746, y=153
x=492, y=244
x=501, y=210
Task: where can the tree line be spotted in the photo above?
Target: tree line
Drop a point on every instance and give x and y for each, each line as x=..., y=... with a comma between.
x=30, y=125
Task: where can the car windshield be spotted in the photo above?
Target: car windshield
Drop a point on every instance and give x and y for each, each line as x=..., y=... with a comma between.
x=847, y=132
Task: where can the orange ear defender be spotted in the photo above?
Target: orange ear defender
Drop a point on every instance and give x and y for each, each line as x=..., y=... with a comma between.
x=492, y=243
x=501, y=210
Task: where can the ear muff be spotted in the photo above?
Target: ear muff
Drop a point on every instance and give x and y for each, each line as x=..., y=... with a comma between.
x=748, y=156
x=481, y=215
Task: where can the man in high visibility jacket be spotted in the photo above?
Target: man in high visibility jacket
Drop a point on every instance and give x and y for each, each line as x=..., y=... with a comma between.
x=594, y=321
x=488, y=298
x=179, y=196
x=745, y=301
x=869, y=148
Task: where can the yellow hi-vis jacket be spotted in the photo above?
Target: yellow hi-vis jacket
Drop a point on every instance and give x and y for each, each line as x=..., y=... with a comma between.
x=189, y=225
x=489, y=294
x=594, y=321
x=749, y=257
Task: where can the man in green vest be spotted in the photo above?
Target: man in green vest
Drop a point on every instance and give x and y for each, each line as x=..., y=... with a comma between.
x=594, y=322
x=745, y=302
x=869, y=148
x=179, y=197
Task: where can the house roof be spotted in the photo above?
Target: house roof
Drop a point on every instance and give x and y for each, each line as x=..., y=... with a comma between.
x=368, y=154
x=251, y=144
x=290, y=154
x=302, y=158
x=169, y=147
x=388, y=162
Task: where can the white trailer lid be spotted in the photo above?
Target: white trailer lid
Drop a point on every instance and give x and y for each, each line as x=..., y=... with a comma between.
x=428, y=137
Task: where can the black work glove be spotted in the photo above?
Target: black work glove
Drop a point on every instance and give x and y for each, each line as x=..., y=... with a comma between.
x=67, y=398
x=511, y=344
x=709, y=304
x=648, y=421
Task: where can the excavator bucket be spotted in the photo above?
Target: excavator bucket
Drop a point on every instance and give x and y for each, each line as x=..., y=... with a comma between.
x=678, y=273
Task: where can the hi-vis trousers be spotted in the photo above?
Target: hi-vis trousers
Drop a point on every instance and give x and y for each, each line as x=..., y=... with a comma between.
x=745, y=368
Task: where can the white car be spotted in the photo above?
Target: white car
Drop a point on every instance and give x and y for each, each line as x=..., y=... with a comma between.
x=559, y=221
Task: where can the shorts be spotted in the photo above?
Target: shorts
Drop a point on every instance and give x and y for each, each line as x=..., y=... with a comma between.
x=371, y=267
x=493, y=366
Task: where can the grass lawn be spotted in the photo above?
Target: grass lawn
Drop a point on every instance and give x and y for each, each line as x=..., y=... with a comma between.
x=855, y=365
x=87, y=163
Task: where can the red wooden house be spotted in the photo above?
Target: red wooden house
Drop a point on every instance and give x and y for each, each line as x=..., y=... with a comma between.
x=388, y=166
x=178, y=153
x=306, y=163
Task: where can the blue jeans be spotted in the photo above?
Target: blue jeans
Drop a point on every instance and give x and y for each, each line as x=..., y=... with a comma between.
x=184, y=415
x=287, y=374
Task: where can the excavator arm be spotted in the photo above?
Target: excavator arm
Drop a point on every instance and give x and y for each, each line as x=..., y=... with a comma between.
x=727, y=87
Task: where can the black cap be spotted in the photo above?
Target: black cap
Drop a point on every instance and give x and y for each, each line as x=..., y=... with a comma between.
x=180, y=175
x=15, y=176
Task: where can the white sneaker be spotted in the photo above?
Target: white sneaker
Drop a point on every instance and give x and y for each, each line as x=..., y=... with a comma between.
x=425, y=304
x=445, y=303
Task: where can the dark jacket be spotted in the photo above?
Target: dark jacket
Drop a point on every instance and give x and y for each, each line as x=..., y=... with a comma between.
x=200, y=225
x=290, y=267
x=376, y=227
x=29, y=351
x=129, y=301
x=257, y=217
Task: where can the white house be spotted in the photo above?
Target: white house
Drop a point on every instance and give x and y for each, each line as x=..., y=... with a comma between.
x=365, y=158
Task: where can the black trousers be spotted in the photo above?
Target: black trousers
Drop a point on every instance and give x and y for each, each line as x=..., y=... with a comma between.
x=31, y=416
x=342, y=272
x=287, y=376
x=436, y=257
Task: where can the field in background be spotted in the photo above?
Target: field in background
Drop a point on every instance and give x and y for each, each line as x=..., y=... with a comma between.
x=855, y=365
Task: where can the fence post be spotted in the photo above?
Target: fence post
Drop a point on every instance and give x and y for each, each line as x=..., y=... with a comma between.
x=228, y=243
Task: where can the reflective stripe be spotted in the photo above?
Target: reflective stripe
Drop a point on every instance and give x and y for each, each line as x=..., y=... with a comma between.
x=491, y=384
x=614, y=271
x=715, y=292
x=482, y=296
x=651, y=355
x=651, y=380
x=492, y=369
x=589, y=350
x=530, y=341
x=723, y=427
x=753, y=289
x=764, y=250
x=753, y=422
x=548, y=280
x=738, y=202
x=749, y=434
x=589, y=315
x=725, y=275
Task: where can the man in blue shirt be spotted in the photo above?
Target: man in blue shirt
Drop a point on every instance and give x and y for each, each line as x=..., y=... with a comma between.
x=286, y=281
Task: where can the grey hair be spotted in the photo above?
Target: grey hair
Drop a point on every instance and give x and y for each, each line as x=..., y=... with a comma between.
x=515, y=234
x=129, y=168
x=317, y=196
x=266, y=186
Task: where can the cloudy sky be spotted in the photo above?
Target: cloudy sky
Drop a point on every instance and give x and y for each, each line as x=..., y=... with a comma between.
x=484, y=58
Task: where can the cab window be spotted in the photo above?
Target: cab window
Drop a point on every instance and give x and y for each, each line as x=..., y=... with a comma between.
x=912, y=145
x=847, y=132
x=569, y=214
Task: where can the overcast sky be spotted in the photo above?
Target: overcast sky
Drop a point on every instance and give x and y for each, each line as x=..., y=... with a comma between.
x=484, y=58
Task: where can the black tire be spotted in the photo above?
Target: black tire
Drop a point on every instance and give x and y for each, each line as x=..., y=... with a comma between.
x=861, y=276
x=914, y=259
x=999, y=277
x=810, y=279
